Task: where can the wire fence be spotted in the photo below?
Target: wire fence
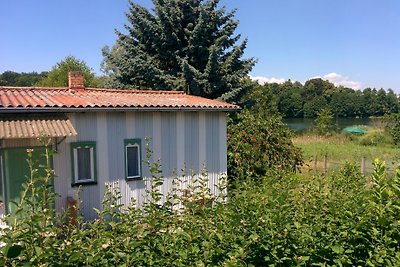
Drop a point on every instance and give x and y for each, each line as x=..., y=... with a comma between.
x=324, y=165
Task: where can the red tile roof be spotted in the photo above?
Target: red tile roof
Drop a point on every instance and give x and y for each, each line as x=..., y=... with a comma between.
x=65, y=99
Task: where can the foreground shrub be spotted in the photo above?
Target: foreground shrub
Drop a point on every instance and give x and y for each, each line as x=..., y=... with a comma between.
x=392, y=122
x=257, y=145
x=375, y=138
x=342, y=220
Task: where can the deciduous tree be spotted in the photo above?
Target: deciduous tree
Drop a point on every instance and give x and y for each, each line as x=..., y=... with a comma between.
x=324, y=123
x=58, y=76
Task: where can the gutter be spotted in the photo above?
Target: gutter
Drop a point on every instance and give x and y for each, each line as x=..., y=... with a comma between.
x=107, y=109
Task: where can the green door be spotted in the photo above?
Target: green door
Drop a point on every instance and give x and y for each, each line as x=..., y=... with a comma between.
x=16, y=172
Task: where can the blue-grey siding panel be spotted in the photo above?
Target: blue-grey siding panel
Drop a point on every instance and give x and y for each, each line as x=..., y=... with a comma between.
x=116, y=127
x=169, y=144
x=191, y=136
x=86, y=126
x=213, y=150
x=212, y=142
x=90, y=195
x=62, y=180
x=89, y=198
x=143, y=130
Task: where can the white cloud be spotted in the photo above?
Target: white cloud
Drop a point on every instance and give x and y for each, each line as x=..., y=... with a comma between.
x=335, y=78
x=338, y=79
x=262, y=80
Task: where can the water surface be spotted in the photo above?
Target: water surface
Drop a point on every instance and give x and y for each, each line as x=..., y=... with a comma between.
x=302, y=124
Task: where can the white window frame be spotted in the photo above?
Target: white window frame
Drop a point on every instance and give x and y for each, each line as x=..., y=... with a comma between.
x=74, y=151
x=133, y=143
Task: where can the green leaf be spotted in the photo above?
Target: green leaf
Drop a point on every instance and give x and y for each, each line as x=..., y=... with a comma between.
x=13, y=251
x=38, y=251
x=337, y=249
x=97, y=210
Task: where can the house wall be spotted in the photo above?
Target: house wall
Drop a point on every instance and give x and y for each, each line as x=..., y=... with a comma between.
x=194, y=140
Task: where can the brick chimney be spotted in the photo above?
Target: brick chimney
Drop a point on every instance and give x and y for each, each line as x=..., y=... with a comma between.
x=75, y=80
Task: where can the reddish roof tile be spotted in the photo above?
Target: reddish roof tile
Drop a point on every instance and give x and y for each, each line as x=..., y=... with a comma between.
x=64, y=99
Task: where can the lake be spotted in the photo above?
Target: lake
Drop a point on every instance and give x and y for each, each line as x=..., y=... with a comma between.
x=302, y=124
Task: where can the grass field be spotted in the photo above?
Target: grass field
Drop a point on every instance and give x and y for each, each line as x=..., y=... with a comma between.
x=340, y=148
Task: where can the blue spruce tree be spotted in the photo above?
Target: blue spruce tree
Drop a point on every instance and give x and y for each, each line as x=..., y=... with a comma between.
x=187, y=45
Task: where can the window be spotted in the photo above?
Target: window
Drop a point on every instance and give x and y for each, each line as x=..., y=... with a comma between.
x=132, y=159
x=83, y=156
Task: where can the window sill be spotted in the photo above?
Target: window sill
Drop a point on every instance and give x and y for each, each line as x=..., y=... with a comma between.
x=84, y=183
x=133, y=178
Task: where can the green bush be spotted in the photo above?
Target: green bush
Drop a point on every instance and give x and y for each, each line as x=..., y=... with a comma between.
x=393, y=126
x=374, y=138
x=324, y=123
x=258, y=145
x=343, y=220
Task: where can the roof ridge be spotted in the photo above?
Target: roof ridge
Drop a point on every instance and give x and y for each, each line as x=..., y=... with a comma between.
x=141, y=91
x=32, y=88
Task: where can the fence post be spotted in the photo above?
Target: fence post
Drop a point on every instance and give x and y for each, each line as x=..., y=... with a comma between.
x=315, y=163
x=325, y=164
x=363, y=165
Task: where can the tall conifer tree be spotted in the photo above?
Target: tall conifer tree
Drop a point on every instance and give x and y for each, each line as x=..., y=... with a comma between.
x=187, y=45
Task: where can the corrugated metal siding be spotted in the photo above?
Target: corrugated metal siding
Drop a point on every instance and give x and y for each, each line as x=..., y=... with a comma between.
x=212, y=142
x=168, y=144
x=223, y=142
x=86, y=126
x=169, y=149
x=223, y=174
x=90, y=195
x=156, y=136
x=116, y=127
x=103, y=156
x=144, y=129
x=202, y=140
x=212, y=149
x=180, y=143
x=131, y=189
x=62, y=168
x=190, y=138
x=62, y=171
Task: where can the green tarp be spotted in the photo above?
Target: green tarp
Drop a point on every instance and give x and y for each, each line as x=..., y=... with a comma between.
x=354, y=130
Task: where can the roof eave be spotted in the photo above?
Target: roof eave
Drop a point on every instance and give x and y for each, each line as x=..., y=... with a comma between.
x=107, y=109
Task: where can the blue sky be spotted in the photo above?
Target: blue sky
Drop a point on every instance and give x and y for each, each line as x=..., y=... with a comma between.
x=355, y=43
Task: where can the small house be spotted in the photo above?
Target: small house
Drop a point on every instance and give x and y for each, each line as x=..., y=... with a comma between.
x=99, y=136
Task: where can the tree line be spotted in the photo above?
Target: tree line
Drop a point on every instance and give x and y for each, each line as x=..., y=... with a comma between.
x=12, y=78
x=295, y=100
